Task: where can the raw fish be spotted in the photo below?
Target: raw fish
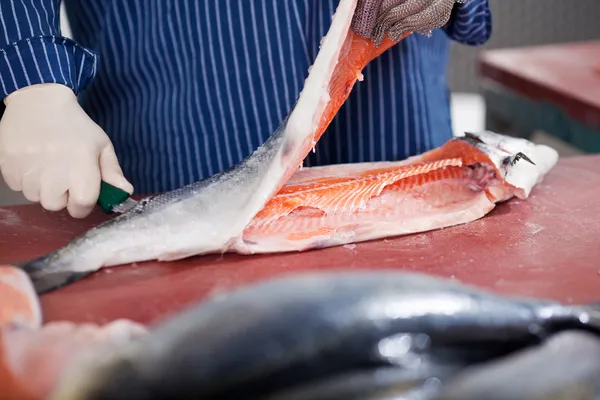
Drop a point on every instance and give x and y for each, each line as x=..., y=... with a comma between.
x=454, y=184
x=299, y=330
x=210, y=215
x=33, y=356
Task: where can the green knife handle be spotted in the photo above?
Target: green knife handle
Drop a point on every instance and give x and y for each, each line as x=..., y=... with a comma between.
x=110, y=196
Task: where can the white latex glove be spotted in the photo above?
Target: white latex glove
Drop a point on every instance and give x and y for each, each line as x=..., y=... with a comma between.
x=53, y=152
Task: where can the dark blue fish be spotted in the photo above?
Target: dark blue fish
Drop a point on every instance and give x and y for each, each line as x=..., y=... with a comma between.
x=298, y=332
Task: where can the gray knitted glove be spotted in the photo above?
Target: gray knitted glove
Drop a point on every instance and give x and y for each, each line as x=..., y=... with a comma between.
x=373, y=18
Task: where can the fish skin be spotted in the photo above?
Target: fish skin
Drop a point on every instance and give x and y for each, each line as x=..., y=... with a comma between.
x=295, y=330
x=208, y=216
x=166, y=226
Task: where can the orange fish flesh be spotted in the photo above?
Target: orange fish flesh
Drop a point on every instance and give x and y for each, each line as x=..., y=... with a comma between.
x=340, y=204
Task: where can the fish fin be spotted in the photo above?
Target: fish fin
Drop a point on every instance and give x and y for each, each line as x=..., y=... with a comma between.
x=19, y=304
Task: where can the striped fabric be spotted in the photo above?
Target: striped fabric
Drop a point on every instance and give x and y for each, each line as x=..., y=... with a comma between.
x=186, y=88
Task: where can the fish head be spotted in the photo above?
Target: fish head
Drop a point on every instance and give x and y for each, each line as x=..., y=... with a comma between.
x=521, y=163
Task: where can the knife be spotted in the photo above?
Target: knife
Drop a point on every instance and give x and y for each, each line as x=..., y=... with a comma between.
x=114, y=200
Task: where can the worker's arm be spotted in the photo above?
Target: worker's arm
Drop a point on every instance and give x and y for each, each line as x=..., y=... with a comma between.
x=49, y=148
x=470, y=23
x=33, y=50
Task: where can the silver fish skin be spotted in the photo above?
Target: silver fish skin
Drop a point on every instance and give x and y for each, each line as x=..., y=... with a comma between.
x=302, y=328
x=169, y=226
x=209, y=215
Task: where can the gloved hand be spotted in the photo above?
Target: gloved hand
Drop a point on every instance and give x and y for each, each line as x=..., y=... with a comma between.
x=52, y=151
x=373, y=18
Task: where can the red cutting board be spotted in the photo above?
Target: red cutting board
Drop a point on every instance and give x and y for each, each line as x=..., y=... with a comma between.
x=547, y=246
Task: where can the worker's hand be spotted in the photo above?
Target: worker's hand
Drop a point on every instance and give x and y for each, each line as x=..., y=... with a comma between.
x=374, y=18
x=53, y=152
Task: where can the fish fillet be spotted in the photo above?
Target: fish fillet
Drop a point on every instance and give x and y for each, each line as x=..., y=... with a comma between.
x=340, y=204
x=19, y=304
x=33, y=356
x=210, y=215
x=32, y=361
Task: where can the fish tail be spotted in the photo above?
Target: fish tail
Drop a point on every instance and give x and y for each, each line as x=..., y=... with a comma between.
x=51, y=272
x=19, y=304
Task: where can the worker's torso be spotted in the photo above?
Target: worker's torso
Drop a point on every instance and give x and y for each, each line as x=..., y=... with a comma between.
x=186, y=88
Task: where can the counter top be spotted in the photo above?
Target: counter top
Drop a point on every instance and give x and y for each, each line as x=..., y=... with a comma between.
x=547, y=246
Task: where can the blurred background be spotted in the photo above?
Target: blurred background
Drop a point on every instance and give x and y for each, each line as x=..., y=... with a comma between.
x=516, y=23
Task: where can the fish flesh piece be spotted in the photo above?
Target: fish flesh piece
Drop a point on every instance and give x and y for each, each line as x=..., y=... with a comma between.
x=32, y=361
x=210, y=215
x=283, y=333
x=19, y=304
x=32, y=355
x=456, y=183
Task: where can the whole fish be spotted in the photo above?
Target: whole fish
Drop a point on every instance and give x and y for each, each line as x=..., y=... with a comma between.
x=210, y=215
x=300, y=330
x=456, y=183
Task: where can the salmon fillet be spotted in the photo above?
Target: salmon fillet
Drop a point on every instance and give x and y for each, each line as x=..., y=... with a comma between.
x=19, y=304
x=457, y=183
x=33, y=356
